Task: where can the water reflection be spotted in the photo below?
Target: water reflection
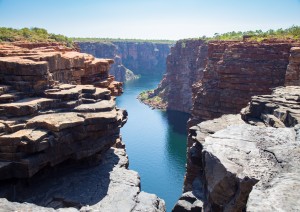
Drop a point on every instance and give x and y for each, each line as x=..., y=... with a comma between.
x=155, y=142
x=177, y=121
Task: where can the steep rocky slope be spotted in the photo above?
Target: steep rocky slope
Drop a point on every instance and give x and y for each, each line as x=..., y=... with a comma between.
x=233, y=166
x=57, y=116
x=208, y=79
x=185, y=67
x=139, y=58
x=108, y=50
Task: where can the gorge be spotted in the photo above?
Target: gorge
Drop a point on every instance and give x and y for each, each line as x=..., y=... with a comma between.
x=63, y=135
x=59, y=121
x=131, y=58
x=235, y=161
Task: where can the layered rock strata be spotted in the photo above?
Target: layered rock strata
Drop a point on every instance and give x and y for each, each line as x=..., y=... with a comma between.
x=131, y=58
x=108, y=50
x=33, y=70
x=194, y=186
x=106, y=186
x=208, y=79
x=185, y=67
x=236, y=71
x=292, y=76
x=233, y=166
x=57, y=107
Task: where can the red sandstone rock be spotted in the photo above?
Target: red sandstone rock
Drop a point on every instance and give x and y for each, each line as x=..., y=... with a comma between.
x=219, y=77
x=185, y=65
x=38, y=67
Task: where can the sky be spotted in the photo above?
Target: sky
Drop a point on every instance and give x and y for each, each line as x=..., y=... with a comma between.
x=149, y=19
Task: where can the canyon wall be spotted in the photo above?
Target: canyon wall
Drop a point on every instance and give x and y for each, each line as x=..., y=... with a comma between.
x=132, y=58
x=208, y=79
x=185, y=67
x=59, y=120
x=231, y=165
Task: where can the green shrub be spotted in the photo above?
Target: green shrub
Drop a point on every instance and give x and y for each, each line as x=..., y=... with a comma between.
x=258, y=35
x=34, y=34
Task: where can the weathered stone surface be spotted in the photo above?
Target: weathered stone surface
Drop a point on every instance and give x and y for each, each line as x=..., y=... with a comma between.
x=102, y=106
x=188, y=202
x=58, y=136
x=280, y=194
x=33, y=70
x=292, y=76
x=196, y=139
x=280, y=109
x=27, y=106
x=246, y=167
x=193, y=182
x=219, y=77
x=57, y=119
x=108, y=186
x=185, y=65
x=55, y=122
x=235, y=71
x=130, y=57
x=243, y=159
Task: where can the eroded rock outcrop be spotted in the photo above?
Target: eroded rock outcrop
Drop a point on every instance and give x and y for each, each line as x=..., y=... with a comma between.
x=281, y=109
x=292, y=76
x=231, y=165
x=36, y=69
x=194, y=177
x=245, y=160
x=185, y=67
x=208, y=79
x=57, y=108
x=131, y=58
x=108, y=50
x=236, y=71
x=106, y=186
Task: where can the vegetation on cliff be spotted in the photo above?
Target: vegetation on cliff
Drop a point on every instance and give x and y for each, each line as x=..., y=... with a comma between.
x=110, y=40
x=150, y=99
x=259, y=35
x=292, y=33
x=32, y=35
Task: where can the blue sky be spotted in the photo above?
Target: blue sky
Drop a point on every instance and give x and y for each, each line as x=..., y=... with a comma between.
x=149, y=19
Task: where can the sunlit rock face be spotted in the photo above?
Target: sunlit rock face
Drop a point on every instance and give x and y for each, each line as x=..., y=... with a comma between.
x=59, y=120
x=245, y=161
x=208, y=79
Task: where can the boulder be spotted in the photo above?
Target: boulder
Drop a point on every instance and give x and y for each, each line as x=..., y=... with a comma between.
x=243, y=159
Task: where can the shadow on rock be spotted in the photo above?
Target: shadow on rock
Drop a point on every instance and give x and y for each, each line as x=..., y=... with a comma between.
x=67, y=185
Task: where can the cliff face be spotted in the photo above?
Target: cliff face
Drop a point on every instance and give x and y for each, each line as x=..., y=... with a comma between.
x=57, y=109
x=185, y=66
x=144, y=58
x=232, y=166
x=236, y=71
x=292, y=76
x=216, y=78
x=131, y=58
x=108, y=50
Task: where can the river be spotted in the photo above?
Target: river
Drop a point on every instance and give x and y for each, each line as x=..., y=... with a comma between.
x=155, y=142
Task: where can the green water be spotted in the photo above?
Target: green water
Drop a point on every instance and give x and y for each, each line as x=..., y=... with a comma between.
x=155, y=142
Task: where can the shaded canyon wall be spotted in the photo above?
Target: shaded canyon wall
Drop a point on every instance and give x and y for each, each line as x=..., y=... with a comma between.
x=131, y=58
